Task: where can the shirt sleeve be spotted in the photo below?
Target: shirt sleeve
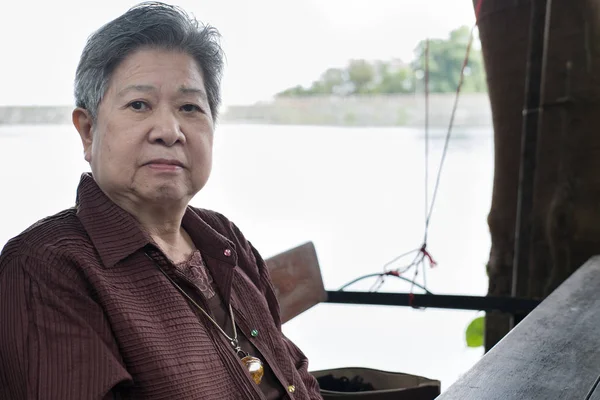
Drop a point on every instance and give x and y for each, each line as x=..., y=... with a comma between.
x=55, y=340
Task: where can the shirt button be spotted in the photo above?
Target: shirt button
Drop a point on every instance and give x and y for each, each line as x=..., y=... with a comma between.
x=291, y=388
x=254, y=333
x=227, y=252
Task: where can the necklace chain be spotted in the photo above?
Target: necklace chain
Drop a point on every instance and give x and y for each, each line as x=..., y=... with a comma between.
x=253, y=364
x=233, y=340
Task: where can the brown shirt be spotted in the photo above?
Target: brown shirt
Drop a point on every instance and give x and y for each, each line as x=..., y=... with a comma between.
x=194, y=273
x=85, y=314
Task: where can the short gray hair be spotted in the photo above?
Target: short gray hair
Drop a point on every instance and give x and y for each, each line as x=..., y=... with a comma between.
x=149, y=25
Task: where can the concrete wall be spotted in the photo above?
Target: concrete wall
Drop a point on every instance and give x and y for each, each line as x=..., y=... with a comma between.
x=407, y=110
x=15, y=115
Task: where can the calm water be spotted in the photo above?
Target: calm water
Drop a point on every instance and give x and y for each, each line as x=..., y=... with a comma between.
x=357, y=193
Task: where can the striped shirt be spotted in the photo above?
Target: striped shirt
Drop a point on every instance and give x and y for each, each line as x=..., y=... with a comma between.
x=86, y=314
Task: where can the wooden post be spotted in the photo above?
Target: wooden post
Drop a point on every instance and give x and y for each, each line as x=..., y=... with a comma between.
x=532, y=117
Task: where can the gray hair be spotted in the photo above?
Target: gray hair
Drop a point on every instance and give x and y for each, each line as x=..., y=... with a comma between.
x=149, y=25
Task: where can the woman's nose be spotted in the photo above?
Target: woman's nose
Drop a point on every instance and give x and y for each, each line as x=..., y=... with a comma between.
x=167, y=129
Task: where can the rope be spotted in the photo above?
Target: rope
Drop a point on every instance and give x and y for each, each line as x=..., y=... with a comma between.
x=390, y=273
x=426, y=135
x=423, y=256
x=452, y=117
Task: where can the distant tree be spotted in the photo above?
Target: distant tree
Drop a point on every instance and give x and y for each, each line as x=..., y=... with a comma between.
x=361, y=75
x=446, y=57
x=388, y=77
x=295, y=91
x=395, y=78
x=333, y=80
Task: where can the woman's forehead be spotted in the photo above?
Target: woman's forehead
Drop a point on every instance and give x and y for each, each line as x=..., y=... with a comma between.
x=151, y=70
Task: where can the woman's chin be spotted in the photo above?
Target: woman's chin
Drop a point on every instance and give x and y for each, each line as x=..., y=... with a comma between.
x=167, y=193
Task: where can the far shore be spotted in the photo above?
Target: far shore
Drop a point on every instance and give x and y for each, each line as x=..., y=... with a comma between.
x=392, y=110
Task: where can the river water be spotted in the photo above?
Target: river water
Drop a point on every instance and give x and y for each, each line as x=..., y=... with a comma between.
x=357, y=193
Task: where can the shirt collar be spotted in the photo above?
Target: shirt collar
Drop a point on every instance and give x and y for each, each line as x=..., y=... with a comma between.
x=116, y=234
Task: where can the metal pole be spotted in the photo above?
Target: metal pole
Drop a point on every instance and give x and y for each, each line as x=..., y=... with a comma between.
x=532, y=116
x=510, y=305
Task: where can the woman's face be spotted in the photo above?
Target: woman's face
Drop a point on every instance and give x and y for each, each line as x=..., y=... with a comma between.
x=153, y=136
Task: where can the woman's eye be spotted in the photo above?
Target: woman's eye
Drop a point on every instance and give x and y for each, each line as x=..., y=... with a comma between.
x=190, y=108
x=138, y=105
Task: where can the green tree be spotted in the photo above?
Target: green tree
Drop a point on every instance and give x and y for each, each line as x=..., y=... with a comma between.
x=394, y=78
x=389, y=77
x=446, y=57
x=361, y=75
x=295, y=91
x=333, y=80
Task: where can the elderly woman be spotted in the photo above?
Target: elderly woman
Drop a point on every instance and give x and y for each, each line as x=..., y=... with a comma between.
x=132, y=293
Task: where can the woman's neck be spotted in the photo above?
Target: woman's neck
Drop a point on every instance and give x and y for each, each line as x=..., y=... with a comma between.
x=164, y=227
x=177, y=247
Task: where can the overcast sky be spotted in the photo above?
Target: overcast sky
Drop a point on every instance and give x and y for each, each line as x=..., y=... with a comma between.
x=270, y=44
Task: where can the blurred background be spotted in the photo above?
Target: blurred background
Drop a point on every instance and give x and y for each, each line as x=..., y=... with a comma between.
x=321, y=139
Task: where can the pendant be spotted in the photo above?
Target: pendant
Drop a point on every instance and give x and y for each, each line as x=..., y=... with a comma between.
x=255, y=368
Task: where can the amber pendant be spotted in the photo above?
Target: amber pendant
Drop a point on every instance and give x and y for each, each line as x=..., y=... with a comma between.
x=255, y=368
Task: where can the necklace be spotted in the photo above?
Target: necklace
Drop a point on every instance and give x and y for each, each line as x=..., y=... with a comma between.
x=253, y=364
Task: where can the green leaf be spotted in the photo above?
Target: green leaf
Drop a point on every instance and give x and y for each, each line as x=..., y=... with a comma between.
x=475, y=332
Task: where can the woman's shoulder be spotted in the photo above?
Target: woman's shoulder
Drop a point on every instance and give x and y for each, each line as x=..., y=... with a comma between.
x=47, y=237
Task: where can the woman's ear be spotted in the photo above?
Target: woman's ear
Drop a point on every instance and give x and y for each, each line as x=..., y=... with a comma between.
x=84, y=125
